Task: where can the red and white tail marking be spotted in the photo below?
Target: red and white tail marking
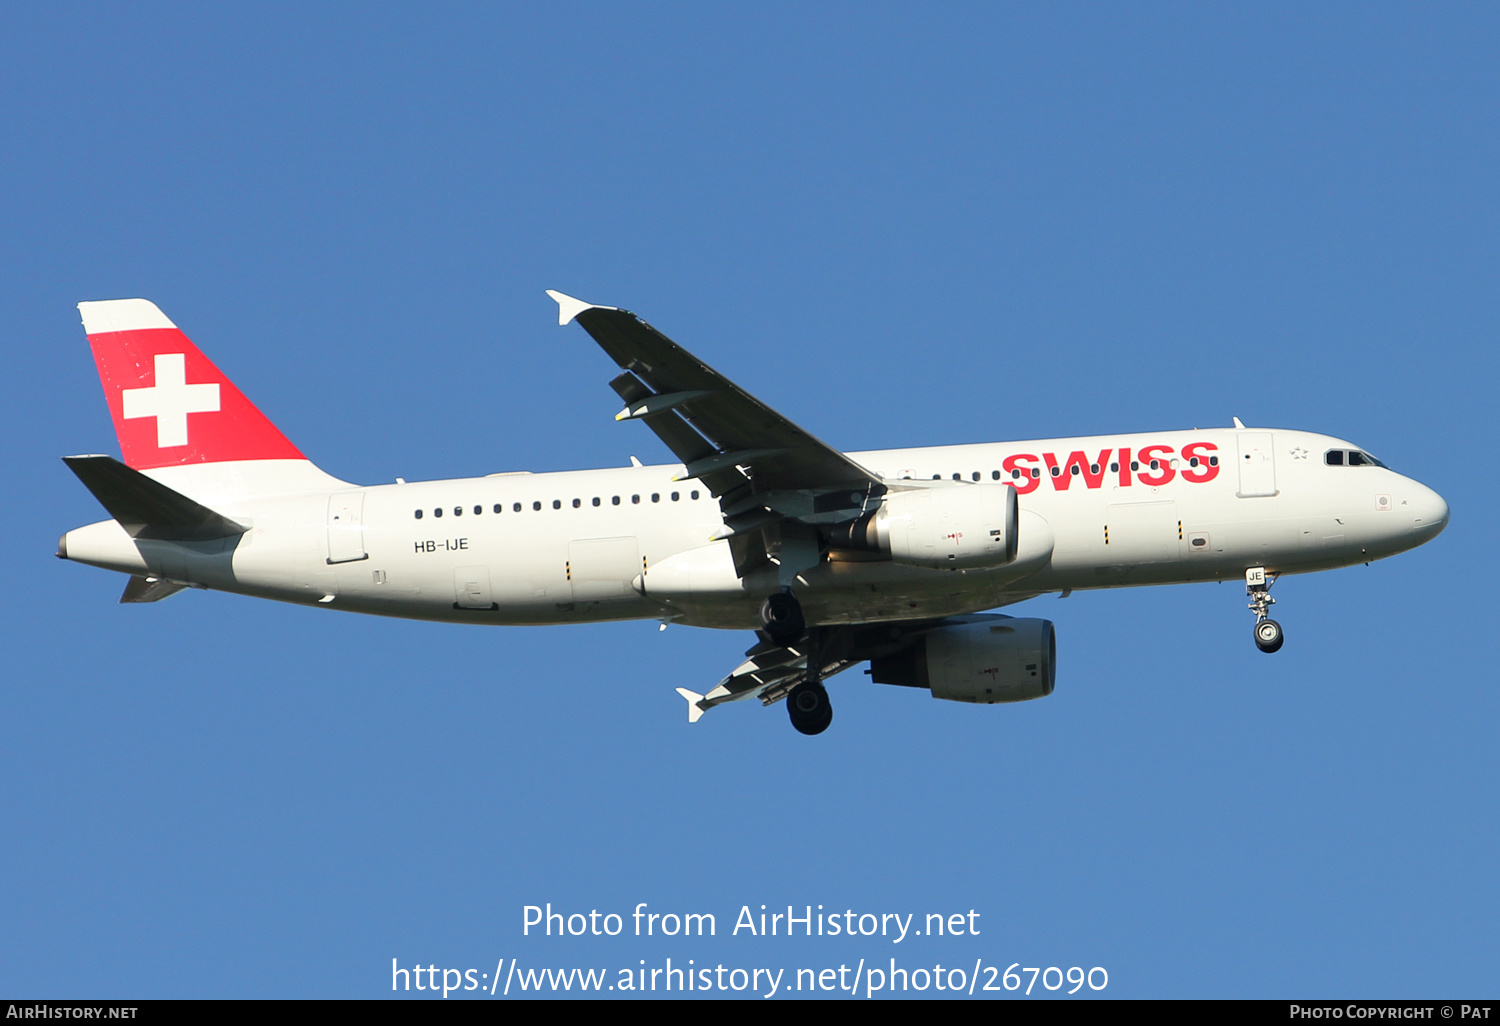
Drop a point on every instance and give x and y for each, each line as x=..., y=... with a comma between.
x=171, y=406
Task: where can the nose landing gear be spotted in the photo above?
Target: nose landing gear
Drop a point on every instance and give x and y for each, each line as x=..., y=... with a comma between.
x=1268, y=634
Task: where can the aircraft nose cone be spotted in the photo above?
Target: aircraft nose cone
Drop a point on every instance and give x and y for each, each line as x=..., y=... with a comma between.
x=1429, y=512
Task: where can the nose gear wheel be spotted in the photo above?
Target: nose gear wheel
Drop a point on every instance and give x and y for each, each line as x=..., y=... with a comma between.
x=1268, y=636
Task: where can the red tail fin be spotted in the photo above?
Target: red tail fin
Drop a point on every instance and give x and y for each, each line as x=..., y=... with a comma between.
x=171, y=406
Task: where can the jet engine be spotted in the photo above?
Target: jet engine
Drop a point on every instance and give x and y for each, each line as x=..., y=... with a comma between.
x=987, y=660
x=946, y=525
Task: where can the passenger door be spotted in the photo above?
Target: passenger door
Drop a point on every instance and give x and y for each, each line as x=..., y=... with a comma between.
x=1257, y=464
x=346, y=528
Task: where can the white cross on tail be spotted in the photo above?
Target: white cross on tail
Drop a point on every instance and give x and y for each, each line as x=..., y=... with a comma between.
x=170, y=400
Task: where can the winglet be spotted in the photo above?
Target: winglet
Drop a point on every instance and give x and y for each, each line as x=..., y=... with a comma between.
x=695, y=711
x=568, y=307
x=1237, y=423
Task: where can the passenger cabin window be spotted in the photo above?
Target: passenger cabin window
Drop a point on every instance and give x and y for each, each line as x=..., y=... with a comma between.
x=419, y=514
x=458, y=511
x=438, y=512
x=515, y=507
x=536, y=505
x=478, y=510
x=499, y=506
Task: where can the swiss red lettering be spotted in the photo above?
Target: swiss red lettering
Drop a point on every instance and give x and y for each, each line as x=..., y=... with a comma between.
x=1022, y=462
x=1162, y=456
x=1063, y=477
x=1204, y=471
x=1021, y=469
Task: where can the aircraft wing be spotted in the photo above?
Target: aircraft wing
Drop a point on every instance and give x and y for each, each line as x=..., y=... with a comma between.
x=768, y=673
x=765, y=470
x=737, y=428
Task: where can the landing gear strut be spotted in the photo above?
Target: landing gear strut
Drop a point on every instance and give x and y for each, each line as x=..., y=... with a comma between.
x=808, y=706
x=781, y=619
x=1268, y=635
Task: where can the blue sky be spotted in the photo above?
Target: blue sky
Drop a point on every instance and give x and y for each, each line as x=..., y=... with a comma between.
x=897, y=226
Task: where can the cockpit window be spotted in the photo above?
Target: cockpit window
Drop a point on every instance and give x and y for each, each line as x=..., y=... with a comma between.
x=1351, y=458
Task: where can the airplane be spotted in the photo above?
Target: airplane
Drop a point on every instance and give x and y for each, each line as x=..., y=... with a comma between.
x=834, y=559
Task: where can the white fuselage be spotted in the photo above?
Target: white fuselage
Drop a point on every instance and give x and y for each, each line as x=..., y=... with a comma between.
x=583, y=545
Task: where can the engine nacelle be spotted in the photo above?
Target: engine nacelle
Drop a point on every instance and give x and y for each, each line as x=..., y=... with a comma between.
x=947, y=525
x=991, y=659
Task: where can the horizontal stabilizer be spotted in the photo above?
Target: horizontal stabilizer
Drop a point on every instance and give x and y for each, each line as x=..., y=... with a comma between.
x=146, y=508
x=150, y=589
x=695, y=711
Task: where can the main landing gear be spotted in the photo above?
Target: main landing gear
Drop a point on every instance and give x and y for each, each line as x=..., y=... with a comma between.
x=782, y=621
x=781, y=618
x=808, y=706
x=1268, y=635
